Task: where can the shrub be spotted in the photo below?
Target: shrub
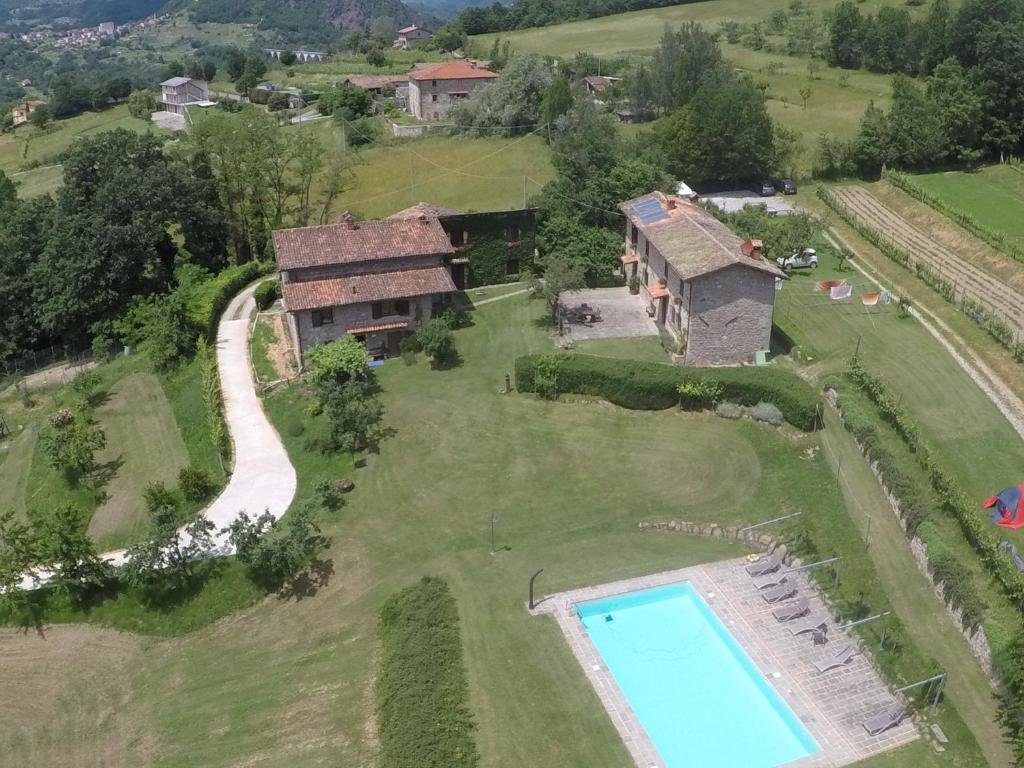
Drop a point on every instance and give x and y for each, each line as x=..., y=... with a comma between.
x=654, y=386
x=210, y=298
x=545, y=378
x=328, y=493
x=698, y=394
x=423, y=715
x=267, y=293
x=435, y=337
x=767, y=413
x=729, y=411
x=157, y=496
x=455, y=318
x=195, y=483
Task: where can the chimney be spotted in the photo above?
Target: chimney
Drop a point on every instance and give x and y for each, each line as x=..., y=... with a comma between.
x=422, y=218
x=753, y=248
x=349, y=221
x=670, y=203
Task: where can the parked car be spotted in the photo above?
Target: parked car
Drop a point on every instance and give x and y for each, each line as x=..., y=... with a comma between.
x=786, y=186
x=805, y=259
x=765, y=188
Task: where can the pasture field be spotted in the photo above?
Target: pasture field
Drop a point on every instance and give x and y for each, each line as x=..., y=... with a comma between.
x=27, y=146
x=993, y=195
x=291, y=679
x=470, y=174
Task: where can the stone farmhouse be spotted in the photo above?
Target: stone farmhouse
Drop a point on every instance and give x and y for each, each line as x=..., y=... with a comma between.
x=179, y=93
x=410, y=34
x=23, y=109
x=703, y=285
x=375, y=280
x=435, y=88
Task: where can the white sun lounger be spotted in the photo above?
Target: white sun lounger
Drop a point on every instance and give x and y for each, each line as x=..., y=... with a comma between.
x=839, y=659
x=771, y=580
x=809, y=624
x=793, y=610
x=883, y=721
x=781, y=592
x=766, y=565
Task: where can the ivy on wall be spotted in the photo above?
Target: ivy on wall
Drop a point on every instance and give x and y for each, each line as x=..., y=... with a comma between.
x=489, y=249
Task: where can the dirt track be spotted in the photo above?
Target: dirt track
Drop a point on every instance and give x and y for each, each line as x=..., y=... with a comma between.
x=969, y=281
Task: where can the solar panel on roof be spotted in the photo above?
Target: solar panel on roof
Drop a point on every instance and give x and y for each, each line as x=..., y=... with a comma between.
x=649, y=211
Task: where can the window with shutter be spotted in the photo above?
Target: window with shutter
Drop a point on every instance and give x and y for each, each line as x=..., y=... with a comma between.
x=402, y=307
x=376, y=310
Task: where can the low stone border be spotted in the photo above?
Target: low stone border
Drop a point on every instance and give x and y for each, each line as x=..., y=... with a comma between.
x=767, y=543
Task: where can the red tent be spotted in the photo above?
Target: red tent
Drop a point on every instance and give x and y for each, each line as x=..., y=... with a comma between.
x=1007, y=507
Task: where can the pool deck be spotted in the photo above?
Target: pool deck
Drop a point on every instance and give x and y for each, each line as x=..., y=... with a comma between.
x=832, y=706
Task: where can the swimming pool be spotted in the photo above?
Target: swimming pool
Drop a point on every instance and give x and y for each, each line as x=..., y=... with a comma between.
x=699, y=697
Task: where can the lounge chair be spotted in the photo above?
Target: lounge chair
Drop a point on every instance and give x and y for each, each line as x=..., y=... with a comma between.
x=771, y=580
x=767, y=565
x=808, y=624
x=839, y=659
x=883, y=721
x=792, y=610
x=781, y=592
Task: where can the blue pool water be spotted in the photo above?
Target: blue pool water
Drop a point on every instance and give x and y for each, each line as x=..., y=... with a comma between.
x=699, y=697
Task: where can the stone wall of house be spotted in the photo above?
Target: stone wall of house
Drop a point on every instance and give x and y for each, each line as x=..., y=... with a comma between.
x=431, y=99
x=350, y=315
x=730, y=316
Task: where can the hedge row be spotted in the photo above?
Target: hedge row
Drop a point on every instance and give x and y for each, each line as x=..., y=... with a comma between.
x=211, y=298
x=654, y=386
x=966, y=220
x=976, y=527
x=916, y=502
x=995, y=328
x=423, y=714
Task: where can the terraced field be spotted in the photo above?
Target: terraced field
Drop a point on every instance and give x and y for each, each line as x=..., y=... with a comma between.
x=969, y=281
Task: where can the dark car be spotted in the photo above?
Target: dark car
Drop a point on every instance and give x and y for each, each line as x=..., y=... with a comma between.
x=764, y=188
x=786, y=186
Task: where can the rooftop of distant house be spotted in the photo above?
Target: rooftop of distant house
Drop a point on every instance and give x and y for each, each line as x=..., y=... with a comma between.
x=597, y=82
x=174, y=82
x=425, y=209
x=693, y=241
x=452, y=70
x=411, y=28
x=369, y=82
x=351, y=241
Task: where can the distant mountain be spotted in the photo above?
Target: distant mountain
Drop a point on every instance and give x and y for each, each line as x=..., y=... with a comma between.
x=303, y=22
x=63, y=14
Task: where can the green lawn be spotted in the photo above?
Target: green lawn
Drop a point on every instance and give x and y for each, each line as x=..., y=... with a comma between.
x=993, y=195
x=471, y=174
x=27, y=146
x=647, y=348
x=262, y=337
x=291, y=679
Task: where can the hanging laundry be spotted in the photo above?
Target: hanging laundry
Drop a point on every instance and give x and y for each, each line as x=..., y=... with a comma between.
x=843, y=291
x=886, y=297
x=870, y=299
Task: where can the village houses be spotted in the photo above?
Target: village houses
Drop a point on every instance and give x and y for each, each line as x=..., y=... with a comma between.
x=712, y=292
x=434, y=89
x=23, y=110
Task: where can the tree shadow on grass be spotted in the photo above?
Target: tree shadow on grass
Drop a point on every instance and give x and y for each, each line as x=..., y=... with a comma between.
x=309, y=581
x=105, y=472
x=453, y=361
x=169, y=590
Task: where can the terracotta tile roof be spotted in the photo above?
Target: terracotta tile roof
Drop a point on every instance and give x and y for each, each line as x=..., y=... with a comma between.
x=597, y=82
x=358, y=289
x=693, y=241
x=369, y=241
x=406, y=30
x=657, y=291
x=451, y=70
x=629, y=258
x=368, y=82
x=378, y=327
x=425, y=209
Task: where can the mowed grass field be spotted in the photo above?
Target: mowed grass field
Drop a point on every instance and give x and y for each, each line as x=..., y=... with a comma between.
x=290, y=681
x=993, y=195
x=470, y=174
x=27, y=145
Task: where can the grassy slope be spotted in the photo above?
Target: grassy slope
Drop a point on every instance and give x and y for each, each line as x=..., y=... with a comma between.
x=994, y=195
x=833, y=107
x=468, y=174
x=144, y=442
x=263, y=336
x=27, y=145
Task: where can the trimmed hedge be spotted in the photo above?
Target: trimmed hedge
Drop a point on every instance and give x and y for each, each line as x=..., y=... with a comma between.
x=423, y=715
x=654, y=386
x=211, y=298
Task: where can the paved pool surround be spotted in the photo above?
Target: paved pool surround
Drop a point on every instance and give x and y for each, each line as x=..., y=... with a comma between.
x=830, y=706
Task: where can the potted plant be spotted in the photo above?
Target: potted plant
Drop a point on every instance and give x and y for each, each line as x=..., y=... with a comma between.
x=634, y=285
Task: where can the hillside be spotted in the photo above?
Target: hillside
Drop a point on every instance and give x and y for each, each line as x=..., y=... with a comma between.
x=305, y=22
x=17, y=14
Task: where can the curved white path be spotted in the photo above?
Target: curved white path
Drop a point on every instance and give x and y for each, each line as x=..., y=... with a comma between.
x=263, y=478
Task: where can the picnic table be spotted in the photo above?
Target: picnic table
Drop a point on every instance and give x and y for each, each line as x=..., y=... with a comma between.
x=582, y=313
